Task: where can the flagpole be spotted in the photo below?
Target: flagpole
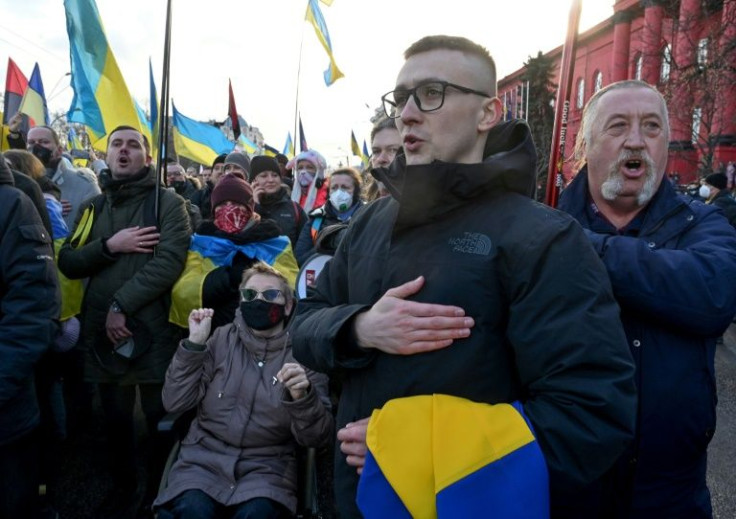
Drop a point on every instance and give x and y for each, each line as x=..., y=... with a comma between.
x=298, y=80
x=562, y=106
x=163, y=111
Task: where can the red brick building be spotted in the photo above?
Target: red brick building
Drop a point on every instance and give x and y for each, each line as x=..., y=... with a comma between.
x=687, y=48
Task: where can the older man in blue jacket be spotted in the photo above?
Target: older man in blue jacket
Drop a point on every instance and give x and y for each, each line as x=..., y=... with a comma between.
x=672, y=264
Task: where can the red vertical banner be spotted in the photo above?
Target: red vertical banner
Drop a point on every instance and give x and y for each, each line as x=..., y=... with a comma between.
x=562, y=106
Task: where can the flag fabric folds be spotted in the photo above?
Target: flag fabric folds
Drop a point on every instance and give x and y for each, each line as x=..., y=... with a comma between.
x=302, y=139
x=153, y=122
x=200, y=142
x=366, y=155
x=233, y=112
x=15, y=86
x=248, y=145
x=34, y=100
x=289, y=146
x=354, y=145
x=314, y=16
x=101, y=98
x=206, y=253
x=269, y=151
x=443, y=456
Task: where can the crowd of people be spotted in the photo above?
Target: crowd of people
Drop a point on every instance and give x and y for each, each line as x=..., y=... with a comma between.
x=538, y=361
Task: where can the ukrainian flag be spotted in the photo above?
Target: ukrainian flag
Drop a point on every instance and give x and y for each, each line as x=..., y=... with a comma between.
x=289, y=146
x=248, y=145
x=206, y=253
x=269, y=151
x=366, y=155
x=101, y=98
x=440, y=456
x=314, y=16
x=200, y=142
x=34, y=100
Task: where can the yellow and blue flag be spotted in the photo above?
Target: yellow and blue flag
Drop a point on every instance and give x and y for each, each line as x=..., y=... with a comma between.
x=354, y=146
x=366, y=155
x=289, y=146
x=314, y=16
x=34, y=100
x=443, y=456
x=269, y=151
x=153, y=123
x=248, y=145
x=200, y=142
x=206, y=253
x=101, y=98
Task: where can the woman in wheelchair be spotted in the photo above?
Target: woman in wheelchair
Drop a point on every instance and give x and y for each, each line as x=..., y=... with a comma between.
x=254, y=404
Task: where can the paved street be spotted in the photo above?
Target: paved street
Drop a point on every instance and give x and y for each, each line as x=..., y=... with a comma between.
x=722, y=457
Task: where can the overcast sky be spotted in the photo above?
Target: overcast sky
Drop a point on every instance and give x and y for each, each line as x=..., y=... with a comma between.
x=257, y=45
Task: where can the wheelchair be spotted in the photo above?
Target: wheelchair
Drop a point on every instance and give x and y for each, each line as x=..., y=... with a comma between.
x=310, y=504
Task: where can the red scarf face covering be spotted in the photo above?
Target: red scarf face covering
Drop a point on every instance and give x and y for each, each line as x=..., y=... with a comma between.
x=232, y=218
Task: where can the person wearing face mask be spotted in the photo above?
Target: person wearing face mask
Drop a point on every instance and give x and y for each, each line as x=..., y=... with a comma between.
x=327, y=223
x=385, y=144
x=715, y=191
x=176, y=179
x=76, y=185
x=272, y=198
x=254, y=404
x=222, y=248
x=310, y=188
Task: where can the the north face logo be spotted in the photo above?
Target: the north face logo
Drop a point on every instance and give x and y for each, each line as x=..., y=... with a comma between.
x=472, y=243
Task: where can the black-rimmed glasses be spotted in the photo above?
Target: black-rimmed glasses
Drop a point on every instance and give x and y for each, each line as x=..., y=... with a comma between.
x=269, y=295
x=427, y=96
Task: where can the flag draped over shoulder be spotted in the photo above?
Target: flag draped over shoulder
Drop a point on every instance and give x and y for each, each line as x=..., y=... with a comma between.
x=206, y=253
x=101, y=98
x=200, y=142
x=314, y=16
x=289, y=146
x=443, y=456
x=34, y=100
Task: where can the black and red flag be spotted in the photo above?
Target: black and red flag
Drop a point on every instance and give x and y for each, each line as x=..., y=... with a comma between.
x=302, y=139
x=233, y=113
x=15, y=86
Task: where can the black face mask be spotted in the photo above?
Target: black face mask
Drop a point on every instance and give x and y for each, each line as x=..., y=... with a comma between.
x=262, y=315
x=179, y=185
x=42, y=154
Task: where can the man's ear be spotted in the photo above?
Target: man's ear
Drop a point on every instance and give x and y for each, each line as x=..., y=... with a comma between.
x=149, y=159
x=492, y=114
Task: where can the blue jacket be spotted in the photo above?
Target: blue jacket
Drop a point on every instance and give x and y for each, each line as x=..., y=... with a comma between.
x=675, y=282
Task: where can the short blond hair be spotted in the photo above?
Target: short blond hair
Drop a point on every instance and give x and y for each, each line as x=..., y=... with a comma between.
x=259, y=267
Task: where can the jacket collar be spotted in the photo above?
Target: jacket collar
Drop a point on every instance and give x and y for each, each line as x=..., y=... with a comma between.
x=665, y=204
x=139, y=183
x=261, y=347
x=429, y=191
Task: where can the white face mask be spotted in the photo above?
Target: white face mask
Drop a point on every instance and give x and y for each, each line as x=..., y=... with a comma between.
x=341, y=200
x=305, y=177
x=704, y=191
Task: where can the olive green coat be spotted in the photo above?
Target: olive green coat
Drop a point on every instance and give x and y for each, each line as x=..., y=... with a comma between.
x=140, y=283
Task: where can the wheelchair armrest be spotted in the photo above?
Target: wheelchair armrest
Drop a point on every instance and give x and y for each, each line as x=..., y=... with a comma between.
x=176, y=423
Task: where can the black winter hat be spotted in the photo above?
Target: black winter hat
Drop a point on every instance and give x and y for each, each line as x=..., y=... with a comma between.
x=717, y=180
x=262, y=163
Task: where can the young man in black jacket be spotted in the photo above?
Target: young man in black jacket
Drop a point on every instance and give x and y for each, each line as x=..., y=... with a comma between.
x=460, y=284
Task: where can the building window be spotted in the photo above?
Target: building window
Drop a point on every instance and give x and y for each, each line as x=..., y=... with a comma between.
x=597, y=81
x=702, y=53
x=697, y=117
x=580, y=98
x=664, y=71
x=638, y=64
